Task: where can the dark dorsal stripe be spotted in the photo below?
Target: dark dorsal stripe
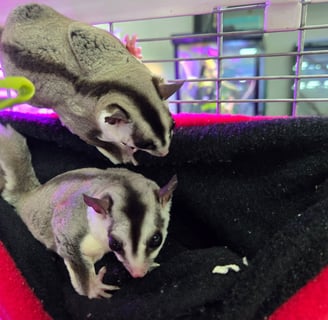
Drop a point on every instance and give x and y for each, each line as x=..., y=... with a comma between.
x=135, y=211
x=23, y=60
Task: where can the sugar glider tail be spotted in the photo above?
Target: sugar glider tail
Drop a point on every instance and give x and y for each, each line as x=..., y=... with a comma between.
x=17, y=175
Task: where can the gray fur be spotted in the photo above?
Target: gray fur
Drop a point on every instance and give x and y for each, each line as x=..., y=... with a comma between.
x=84, y=73
x=16, y=185
x=58, y=216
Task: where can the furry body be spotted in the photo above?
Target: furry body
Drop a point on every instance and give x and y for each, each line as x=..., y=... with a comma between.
x=85, y=213
x=100, y=91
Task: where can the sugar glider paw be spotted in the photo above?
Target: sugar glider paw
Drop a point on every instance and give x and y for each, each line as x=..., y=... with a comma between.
x=98, y=289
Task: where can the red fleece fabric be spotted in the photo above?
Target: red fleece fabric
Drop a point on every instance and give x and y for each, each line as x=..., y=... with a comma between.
x=17, y=298
x=202, y=119
x=309, y=303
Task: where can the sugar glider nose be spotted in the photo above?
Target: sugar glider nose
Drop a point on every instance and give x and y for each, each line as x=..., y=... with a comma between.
x=161, y=152
x=138, y=273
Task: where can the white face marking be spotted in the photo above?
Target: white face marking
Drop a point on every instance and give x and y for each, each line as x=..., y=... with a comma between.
x=138, y=265
x=121, y=133
x=118, y=133
x=142, y=262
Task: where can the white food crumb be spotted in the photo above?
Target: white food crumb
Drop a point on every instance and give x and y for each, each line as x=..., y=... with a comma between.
x=225, y=269
x=245, y=262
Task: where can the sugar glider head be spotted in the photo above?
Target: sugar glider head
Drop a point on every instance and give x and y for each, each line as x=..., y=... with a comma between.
x=139, y=221
x=136, y=120
x=131, y=113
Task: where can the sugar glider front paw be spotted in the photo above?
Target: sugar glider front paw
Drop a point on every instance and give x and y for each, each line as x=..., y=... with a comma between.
x=98, y=289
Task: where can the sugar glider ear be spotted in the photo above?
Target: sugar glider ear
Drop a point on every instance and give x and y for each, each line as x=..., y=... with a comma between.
x=95, y=49
x=101, y=206
x=167, y=89
x=165, y=193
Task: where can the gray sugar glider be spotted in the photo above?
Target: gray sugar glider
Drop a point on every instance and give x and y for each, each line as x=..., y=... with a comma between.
x=100, y=91
x=85, y=213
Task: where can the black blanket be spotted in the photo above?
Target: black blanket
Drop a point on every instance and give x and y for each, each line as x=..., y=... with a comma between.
x=251, y=194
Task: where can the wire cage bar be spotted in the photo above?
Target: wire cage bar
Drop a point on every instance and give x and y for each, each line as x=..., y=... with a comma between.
x=296, y=77
x=257, y=64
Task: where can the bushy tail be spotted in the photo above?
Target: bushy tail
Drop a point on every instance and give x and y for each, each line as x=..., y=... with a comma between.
x=17, y=175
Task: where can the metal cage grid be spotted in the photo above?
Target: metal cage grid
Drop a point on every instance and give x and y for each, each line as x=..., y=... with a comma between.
x=291, y=98
x=281, y=91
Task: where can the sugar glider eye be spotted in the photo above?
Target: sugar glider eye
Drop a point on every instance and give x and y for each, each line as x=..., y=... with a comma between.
x=146, y=145
x=155, y=241
x=117, y=116
x=112, y=121
x=115, y=245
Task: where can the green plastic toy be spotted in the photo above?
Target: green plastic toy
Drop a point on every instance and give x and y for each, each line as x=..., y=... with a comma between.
x=24, y=88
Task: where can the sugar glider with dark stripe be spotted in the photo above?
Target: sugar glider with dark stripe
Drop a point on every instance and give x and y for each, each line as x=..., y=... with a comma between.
x=100, y=91
x=85, y=213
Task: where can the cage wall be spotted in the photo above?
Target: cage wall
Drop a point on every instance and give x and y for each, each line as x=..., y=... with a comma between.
x=246, y=59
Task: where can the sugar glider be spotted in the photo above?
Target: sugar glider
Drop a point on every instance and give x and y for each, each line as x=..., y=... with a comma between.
x=85, y=213
x=100, y=91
